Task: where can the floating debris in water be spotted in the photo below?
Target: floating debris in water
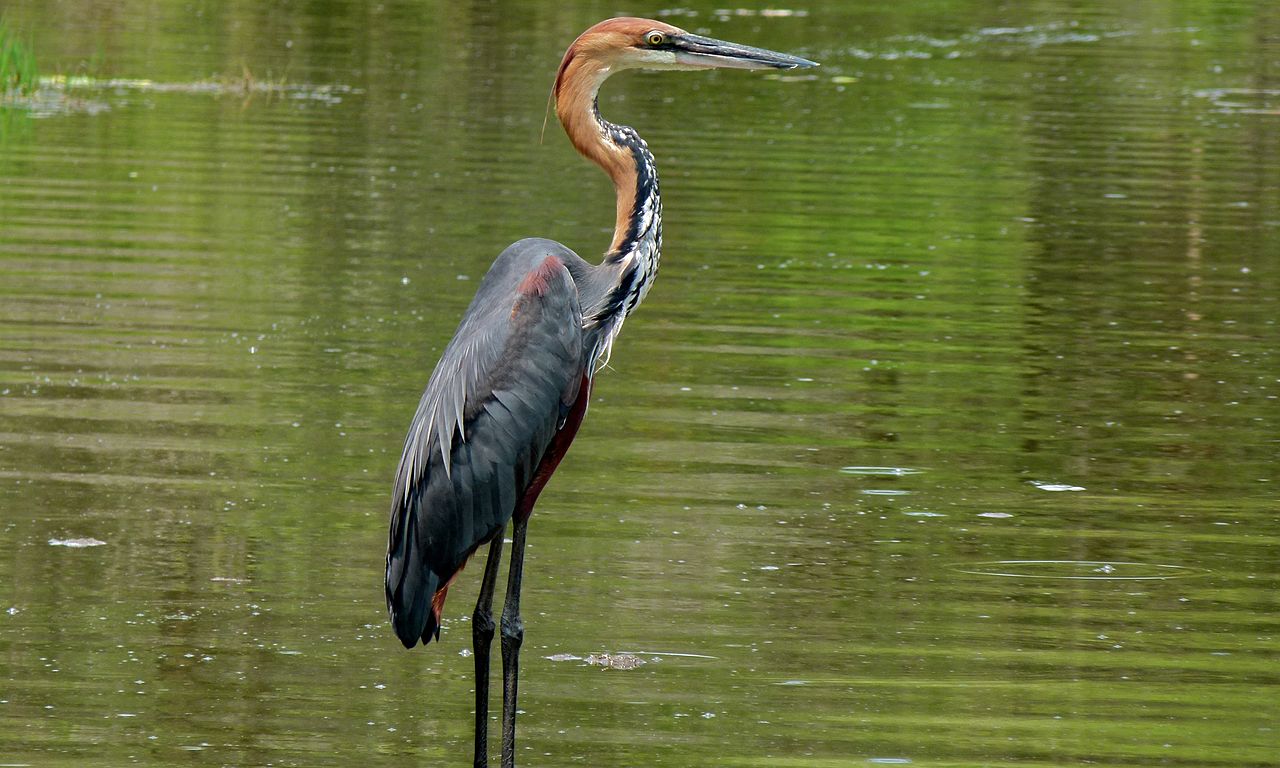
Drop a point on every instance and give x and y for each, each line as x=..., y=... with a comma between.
x=623, y=661
x=883, y=492
x=78, y=543
x=1056, y=486
x=563, y=657
x=996, y=515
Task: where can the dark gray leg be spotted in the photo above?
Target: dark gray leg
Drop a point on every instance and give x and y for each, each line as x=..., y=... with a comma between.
x=512, y=637
x=481, y=641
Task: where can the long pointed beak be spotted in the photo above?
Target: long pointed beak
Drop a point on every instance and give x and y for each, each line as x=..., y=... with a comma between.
x=698, y=52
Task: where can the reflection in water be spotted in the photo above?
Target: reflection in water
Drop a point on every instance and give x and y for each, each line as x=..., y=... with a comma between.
x=987, y=254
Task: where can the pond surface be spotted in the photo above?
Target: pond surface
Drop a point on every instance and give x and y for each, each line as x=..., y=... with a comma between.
x=948, y=436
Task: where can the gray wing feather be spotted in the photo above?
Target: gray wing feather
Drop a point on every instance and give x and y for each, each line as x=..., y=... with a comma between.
x=439, y=417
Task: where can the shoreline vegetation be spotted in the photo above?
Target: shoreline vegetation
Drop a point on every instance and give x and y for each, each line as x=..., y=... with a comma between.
x=22, y=86
x=19, y=75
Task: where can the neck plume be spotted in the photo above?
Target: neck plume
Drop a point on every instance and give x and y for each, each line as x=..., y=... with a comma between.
x=635, y=250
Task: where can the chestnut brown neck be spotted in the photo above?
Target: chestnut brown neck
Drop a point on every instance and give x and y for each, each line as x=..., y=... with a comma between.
x=618, y=150
x=636, y=248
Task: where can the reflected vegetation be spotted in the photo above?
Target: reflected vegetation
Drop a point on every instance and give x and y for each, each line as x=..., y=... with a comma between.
x=997, y=284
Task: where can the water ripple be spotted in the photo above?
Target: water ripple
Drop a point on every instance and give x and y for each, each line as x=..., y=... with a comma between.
x=1078, y=570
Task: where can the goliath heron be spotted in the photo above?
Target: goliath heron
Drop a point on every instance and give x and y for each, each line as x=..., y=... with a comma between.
x=511, y=388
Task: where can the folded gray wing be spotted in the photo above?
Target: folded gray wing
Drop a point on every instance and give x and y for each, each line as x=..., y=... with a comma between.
x=489, y=411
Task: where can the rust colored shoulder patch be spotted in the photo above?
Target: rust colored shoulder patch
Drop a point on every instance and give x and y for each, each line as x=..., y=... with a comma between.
x=538, y=281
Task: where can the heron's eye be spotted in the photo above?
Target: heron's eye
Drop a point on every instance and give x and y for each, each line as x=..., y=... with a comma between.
x=655, y=38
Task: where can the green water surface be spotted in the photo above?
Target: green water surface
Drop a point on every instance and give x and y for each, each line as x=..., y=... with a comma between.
x=997, y=283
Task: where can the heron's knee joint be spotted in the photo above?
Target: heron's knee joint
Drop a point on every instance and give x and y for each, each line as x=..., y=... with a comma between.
x=512, y=631
x=482, y=625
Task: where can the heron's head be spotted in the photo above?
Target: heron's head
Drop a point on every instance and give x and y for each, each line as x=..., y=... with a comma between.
x=631, y=43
